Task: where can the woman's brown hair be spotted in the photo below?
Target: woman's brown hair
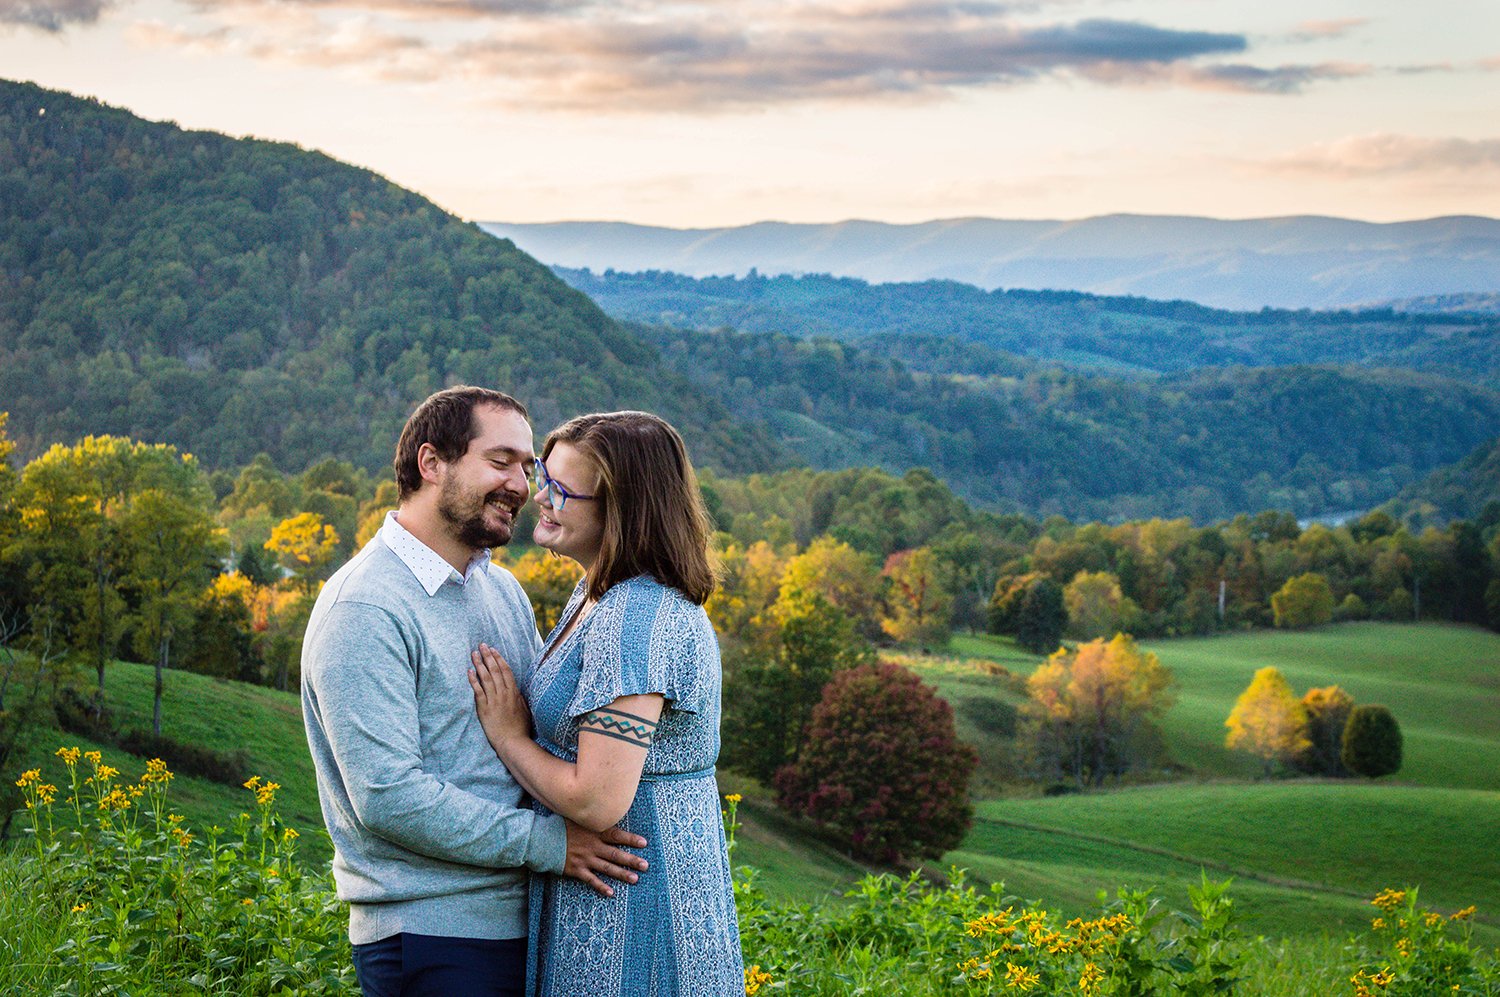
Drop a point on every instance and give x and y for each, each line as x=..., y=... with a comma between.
x=654, y=519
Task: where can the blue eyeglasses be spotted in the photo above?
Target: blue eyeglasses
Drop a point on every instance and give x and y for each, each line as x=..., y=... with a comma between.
x=557, y=495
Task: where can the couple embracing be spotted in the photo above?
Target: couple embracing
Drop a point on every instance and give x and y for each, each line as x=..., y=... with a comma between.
x=510, y=815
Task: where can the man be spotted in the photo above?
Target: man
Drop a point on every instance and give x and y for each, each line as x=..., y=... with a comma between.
x=431, y=844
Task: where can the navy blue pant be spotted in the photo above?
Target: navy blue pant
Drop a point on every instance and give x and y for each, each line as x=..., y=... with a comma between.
x=408, y=965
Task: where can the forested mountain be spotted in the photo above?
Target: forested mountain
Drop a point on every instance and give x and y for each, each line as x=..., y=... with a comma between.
x=235, y=296
x=1119, y=334
x=1205, y=444
x=1295, y=262
x=1458, y=491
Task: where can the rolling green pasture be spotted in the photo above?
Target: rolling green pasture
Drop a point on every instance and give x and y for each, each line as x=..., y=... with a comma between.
x=1306, y=856
x=1442, y=682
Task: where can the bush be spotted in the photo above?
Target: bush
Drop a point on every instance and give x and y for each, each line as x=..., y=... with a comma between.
x=231, y=768
x=1327, y=716
x=882, y=767
x=1372, y=742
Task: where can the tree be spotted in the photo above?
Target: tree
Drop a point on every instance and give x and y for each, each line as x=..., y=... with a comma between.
x=1304, y=601
x=1042, y=617
x=304, y=544
x=916, y=602
x=1268, y=720
x=1095, y=712
x=1372, y=742
x=223, y=630
x=882, y=767
x=1097, y=607
x=773, y=685
x=844, y=576
x=1327, y=715
x=173, y=545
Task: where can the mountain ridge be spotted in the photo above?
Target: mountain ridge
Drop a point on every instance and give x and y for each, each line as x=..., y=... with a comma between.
x=1298, y=261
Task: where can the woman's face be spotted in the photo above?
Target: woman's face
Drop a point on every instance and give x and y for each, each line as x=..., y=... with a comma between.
x=577, y=529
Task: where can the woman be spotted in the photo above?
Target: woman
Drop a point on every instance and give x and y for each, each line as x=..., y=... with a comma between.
x=625, y=700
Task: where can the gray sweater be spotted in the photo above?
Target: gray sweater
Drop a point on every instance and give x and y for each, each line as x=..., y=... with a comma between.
x=428, y=831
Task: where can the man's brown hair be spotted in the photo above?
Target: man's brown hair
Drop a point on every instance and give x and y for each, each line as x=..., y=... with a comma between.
x=446, y=420
x=654, y=519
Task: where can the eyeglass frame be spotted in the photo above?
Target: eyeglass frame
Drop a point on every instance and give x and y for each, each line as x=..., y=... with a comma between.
x=555, y=490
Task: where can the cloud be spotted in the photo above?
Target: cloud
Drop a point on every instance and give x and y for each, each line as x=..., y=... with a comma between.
x=1391, y=155
x=51, y=15
x=715, y=55
x=1309, y=31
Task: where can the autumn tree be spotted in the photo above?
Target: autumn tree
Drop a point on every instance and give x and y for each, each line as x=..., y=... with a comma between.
x=1372, y=742
x=1097, y=607
x=1268, y=720
x=305, y=545
x=916, y=601
x=1304, y=601
x=882, y=767
x=1327, y=714
x=847, y=578
x=1096, y=711
x=750, y=583
x=224, y=633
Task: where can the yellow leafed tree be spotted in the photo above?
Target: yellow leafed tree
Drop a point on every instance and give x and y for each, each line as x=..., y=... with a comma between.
x=549, y=581
x=304, y=544
x=1268, y=720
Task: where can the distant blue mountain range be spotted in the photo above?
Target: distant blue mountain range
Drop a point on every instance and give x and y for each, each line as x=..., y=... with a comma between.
x=1294, y=262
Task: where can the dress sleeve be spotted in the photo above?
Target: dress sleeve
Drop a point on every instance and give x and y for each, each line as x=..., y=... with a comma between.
x=641, y=639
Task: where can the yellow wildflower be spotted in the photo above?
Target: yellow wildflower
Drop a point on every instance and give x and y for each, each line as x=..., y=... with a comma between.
x=1464, y=914
x=93, y=757
x=156, y=771
x=106, y=772
x=1088, y=982
x=755, y=978
x=252, y=782
x=116, y=799
x=1403, y=945
x=1389, y=900
x=28, y=777
x=68, y=755
x=1378, y=924
x=1020, y=978
x=1432, y=920
x=290, y=835
x=80, y=908
x=266, y=792
x=1382, y=978
x=46, y=792
x=174, y=818
x=247, y=901
x=734, y=798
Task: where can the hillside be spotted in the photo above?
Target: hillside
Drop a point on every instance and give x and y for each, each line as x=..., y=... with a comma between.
x=1205, y=444
x=1459, y=491
x=1295, y=262
x=233, y=296
x=1112, y=334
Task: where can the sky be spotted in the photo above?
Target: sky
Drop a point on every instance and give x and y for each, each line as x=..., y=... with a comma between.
x=706, y=113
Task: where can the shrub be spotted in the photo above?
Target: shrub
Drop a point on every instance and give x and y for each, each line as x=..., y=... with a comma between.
x=882, y=767
x=1304, y=601
x=1372, y=742
x=1042, y=617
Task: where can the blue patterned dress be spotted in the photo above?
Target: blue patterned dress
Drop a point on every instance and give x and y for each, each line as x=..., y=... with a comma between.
x=673, y=932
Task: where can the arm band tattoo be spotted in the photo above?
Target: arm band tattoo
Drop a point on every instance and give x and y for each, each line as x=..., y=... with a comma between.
x=619, y=725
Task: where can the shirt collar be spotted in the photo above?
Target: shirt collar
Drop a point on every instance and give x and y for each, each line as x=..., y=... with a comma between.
x=427, y=564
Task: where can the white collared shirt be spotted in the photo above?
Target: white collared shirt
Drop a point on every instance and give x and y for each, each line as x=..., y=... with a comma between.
x=427, y=564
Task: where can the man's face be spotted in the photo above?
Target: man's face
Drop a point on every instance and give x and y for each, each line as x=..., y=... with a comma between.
x=481, y=492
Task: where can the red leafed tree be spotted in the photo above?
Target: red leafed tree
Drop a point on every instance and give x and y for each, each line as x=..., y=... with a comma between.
x=882, y=767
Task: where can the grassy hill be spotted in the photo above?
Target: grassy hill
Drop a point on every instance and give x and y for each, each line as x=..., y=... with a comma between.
x=1306, y=855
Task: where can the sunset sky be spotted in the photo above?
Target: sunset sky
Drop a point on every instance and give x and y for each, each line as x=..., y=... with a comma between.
x=719, y=112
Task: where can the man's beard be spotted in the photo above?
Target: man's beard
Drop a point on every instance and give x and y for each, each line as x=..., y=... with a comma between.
x=458, y=509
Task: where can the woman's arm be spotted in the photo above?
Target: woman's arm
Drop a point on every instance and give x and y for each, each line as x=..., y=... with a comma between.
x=597, y=790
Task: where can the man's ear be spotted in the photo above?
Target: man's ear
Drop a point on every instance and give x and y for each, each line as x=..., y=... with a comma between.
x=430, y=464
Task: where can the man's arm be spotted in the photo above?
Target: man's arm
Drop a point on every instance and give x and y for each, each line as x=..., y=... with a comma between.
x=363, y=702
